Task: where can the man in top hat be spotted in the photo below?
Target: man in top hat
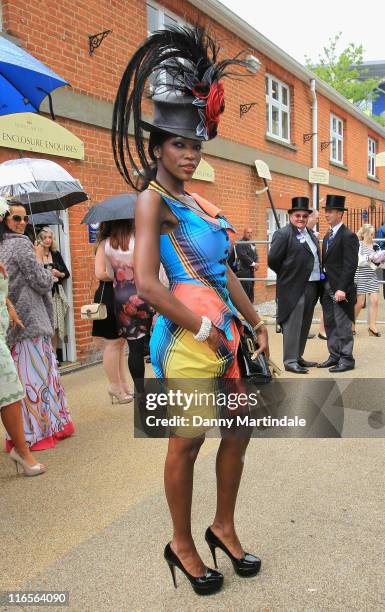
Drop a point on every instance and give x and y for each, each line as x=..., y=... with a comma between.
x=295, y=256
x=339, y=260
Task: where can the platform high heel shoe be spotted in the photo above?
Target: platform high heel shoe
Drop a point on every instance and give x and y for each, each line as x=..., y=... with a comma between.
x=29, y=470
x=119, y=397
x=249, y=565
x=209, y=583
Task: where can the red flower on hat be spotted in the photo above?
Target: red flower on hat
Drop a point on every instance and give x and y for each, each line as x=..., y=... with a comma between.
x=214, y=107
x=215, y=104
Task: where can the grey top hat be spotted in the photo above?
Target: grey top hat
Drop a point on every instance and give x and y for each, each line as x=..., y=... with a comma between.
x=300, y=203
x=176, y=114
x=335, y=202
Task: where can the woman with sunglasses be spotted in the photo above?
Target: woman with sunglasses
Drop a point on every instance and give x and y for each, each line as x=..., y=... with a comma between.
x=45, y=414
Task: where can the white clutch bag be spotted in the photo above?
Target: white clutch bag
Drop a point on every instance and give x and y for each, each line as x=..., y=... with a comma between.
x=93, y=312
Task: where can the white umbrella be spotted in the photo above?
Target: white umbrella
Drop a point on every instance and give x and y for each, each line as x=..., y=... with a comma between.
x=41, y=185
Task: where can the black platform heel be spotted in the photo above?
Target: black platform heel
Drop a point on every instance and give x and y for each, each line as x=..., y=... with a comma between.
x=211, y=582
x=249, y=565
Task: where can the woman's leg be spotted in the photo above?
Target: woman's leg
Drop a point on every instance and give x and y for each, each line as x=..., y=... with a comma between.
x=111, y=363
x=178, y=481
x=373, y=311
x=358, y=306
x=230, y=460
x=12, y=419
x=123, y=372
x=136, y=363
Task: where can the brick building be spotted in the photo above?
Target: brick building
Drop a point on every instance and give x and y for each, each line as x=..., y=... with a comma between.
x=288, y=104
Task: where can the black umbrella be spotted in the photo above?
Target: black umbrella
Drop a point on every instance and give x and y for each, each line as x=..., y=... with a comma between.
x=48, y=218
x=118, y=207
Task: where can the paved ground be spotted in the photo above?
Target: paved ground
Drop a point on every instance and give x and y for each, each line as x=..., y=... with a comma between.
x=96, y=523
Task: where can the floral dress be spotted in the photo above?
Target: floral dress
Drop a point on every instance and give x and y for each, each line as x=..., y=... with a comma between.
x=133, y=316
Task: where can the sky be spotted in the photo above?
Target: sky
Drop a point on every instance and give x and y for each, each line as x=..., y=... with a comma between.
x=303, y=28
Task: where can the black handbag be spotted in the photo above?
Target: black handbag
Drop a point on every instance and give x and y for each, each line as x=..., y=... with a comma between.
x=255, y=370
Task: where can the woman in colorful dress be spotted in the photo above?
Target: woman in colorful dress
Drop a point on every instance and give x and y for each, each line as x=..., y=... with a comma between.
x=133, y=316
x=45, y=415
x=196, y=335
x=106, y=330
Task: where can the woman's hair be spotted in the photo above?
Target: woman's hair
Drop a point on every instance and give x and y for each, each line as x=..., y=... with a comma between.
x=104, y=232
x=47, y=230
x=121, y=232
x=4, y=229
x=365, y=231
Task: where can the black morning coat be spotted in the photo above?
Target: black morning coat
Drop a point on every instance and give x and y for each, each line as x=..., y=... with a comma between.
x=293, y=263
x=340, y=261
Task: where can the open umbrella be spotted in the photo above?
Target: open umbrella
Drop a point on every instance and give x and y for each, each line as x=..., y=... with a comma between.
x=24, y=81
x=40, y=184
x=118, y=207
x=47, y=218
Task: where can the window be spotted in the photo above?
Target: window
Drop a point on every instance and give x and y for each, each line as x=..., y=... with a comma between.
x=372, y=148
x=277, y=108
x=337, y=139
x=159, y=18
x=283, y=218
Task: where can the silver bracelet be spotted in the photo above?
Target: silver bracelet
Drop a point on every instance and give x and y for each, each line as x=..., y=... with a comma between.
x=204, y=330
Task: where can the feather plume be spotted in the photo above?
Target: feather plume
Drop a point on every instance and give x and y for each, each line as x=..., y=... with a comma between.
x=189, y=56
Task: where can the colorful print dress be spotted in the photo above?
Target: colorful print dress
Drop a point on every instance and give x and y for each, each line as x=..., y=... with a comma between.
x=194, y=256
x=133, y=316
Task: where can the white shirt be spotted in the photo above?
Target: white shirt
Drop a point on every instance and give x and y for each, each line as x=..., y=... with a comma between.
x=316, y=272
x=336, y=228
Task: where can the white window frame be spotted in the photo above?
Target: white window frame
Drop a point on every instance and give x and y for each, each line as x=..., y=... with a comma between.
x=336, y=137
x=279, y=105
x=372, y=151
x=271, y=225
x=162, y=14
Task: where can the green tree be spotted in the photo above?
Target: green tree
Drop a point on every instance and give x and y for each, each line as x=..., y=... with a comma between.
x=345, y=72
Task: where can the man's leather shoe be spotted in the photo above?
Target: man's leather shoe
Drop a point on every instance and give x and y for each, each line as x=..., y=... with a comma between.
x=307, y=364
x=340, y=367
x=310, y=336
x=328, y=363
x=296, y=369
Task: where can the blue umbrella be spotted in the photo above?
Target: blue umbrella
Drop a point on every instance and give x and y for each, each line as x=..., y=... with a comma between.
x=24, y=81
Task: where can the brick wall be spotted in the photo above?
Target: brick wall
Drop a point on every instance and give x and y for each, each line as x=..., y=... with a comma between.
x=57, y=33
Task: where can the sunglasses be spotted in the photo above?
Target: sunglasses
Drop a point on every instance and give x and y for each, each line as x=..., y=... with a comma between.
x=19, y=218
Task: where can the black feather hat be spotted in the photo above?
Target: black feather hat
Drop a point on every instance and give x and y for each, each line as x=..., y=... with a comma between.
x=180, y=66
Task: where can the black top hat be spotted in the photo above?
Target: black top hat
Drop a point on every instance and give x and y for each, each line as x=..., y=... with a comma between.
x=175, y=113
x=335, y=202
x=300, y=203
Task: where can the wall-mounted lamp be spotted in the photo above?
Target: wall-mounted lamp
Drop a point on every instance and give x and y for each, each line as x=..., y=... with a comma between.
x=254, y=63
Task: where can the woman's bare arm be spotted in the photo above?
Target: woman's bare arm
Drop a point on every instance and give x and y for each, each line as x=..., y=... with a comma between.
x=245, y=307
x=101, y=264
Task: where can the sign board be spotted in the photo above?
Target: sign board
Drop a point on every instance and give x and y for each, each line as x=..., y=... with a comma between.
x=380, y=159
x=204, y=172
x=32, y=132
x=319, y=175
x=93, y=229
x=262, y=169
